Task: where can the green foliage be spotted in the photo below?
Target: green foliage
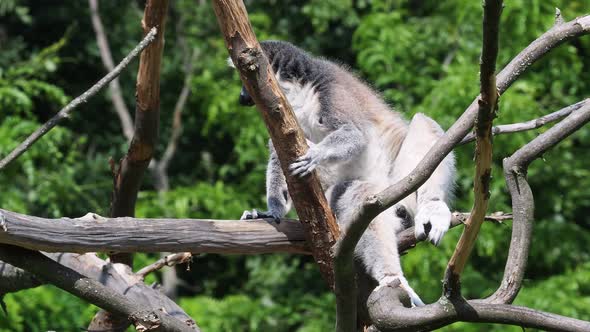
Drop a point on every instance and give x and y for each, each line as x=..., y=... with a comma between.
x=422, y=55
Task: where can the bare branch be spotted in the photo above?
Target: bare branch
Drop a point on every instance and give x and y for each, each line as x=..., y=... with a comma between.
x=107, y=61
x=375, y=204
x=488, y=106
x=515, y=170
x=129, y=174
x=445, y=312
x=169, y=260
x=93, y=233
x=83, y=98
x=287, y=137
x=90, y=290
x=531, y=124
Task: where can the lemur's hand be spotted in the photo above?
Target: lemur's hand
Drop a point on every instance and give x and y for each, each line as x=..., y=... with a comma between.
x=255, y=214
x=414, y=298
x=432, y=221
x=305, y=164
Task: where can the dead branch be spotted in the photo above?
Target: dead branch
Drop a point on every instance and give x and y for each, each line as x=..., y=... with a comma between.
x=488, y=106
x=129, y=174
x=64, y=113
x=287, y=138
x=531, y=124
x=169, y=260
x=107, y=60
x=389, y=315
x=375, y=204
x=93, y=233
x=91, y=290
x=515, y=171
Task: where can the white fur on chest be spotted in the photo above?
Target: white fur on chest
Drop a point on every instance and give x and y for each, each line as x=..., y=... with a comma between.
x=306, y=105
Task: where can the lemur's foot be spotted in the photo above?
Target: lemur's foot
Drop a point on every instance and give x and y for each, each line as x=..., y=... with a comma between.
x=403, y=284
x=255, y=214
x=432, y=221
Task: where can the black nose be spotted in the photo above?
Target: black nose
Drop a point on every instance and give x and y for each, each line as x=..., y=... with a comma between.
x=245, y=99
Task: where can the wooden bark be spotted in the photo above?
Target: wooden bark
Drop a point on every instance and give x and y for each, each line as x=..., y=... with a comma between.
x=93, y=233
x=488, y=106
x=258, y=78
x=129, y=174
x=93, y=291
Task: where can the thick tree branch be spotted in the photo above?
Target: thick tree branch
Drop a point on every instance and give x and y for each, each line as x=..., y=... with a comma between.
x=375, y=204
x=287, y=137
x=91, y=290
x=388, y=314
x=93, y=233
x=515, y=171
x=64, y=113
x=107, y=60
x=129, y=174
x=117, y=277
x=531, y=124
x=488, y=106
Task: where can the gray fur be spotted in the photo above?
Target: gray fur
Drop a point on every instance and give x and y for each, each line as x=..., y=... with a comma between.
x=358, y=146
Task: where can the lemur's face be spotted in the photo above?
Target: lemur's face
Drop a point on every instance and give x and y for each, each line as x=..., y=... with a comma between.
x=245, y=98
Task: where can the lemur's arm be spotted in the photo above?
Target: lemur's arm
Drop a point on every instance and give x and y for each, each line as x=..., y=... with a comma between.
x=433, y=215
x=277, y=197
x=341, y=145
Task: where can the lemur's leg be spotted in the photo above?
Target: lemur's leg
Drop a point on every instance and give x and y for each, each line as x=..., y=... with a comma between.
x=432, y=214
x=377, y=248
x=277, y=197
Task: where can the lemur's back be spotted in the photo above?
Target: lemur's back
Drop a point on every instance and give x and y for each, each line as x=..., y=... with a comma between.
x=335, y=89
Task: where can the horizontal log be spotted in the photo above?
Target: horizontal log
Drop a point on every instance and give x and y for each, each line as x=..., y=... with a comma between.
x=92, y=233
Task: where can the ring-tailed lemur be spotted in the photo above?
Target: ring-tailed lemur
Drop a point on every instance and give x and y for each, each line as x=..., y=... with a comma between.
x=359, y=146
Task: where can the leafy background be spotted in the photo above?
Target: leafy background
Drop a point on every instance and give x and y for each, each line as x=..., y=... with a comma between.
x=422, y=55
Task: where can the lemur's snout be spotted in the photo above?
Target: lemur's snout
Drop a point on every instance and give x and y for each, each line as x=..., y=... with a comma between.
x=245, y=98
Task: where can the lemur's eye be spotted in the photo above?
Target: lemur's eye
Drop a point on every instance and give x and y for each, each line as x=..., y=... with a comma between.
x=321, y=120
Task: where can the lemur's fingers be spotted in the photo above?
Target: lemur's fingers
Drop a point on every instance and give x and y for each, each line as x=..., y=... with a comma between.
x=414, y=298
x=302, y=168
x=432, y=221
x=249, y=215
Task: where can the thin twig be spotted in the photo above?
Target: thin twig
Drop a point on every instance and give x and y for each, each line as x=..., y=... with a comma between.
x=170, y=260
x=531, y=124
x=107, y=60
x=65, y=112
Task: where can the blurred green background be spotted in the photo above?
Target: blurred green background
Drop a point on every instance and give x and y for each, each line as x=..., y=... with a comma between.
x=422, y=55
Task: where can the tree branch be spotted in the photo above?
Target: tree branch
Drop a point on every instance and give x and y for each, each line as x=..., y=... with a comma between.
x=515, y=171
x=388, y=314
x=93, y=233
x=91, y=290
x=256, y=74
x=107, y=61
x=169, y=260
x=488, y=106
x=375, y=204
x=83, y=98
x=531, y=124
x=129, y=174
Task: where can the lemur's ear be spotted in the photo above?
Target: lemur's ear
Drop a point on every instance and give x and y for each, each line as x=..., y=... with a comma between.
x=230, y=62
